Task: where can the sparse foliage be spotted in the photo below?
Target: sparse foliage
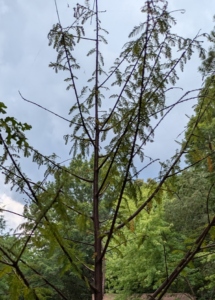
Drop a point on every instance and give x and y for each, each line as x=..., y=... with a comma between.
x=130, y=95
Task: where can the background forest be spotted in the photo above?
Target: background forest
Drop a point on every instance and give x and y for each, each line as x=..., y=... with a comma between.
x=93, y=226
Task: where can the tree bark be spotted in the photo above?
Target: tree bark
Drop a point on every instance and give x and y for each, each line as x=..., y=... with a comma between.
x=98, y=240
x=103, y=274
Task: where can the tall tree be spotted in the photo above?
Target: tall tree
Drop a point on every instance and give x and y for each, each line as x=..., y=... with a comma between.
x=144, y=72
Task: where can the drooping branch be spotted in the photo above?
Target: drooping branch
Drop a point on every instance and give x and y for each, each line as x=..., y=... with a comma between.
x=64, y=250
x=59, y=167
x=45, y=280
x=15, y=266
x=48, y=110
x=12, y=173
x=12, y=212
x=18, y=169
x=83, y=264
x=23, y=190
x=43, y=215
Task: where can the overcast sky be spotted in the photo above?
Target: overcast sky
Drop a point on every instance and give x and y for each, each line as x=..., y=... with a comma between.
x=24, y=59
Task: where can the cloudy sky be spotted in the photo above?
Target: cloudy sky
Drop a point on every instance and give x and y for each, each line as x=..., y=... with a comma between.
x=24, y=59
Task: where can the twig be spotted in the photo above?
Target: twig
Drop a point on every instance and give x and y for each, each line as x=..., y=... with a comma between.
x=207, y=202
x=91, y=270
x=37, y=223
x=208, y=246
x=47, y=110
x=78, y=212
x=197, y=257
x=151, y=162
x=164, y=250
x=59, y=167
x=17, y=168
x=21, y=177
x=1, y=209
x=126, y=242
x=88, y=244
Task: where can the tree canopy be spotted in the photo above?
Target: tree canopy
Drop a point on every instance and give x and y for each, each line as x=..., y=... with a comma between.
x=78, y=220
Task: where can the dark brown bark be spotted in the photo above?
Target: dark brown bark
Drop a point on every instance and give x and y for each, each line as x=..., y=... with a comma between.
x=103, y=274
x=98, y=240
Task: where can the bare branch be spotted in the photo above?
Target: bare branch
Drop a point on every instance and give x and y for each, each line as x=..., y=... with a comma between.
x=164, y=250
x=91, y=270
x=207, y=202
x=78, y=212
x=48, y=110
x=1, y=209
x=208, y=246
x=87, y=244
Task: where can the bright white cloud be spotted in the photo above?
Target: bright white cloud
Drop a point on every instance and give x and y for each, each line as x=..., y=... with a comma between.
x=12, y=220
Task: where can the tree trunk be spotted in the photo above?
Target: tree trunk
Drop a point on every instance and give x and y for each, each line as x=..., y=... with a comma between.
x=103, y=274
x=98, y=295
x=98, y=240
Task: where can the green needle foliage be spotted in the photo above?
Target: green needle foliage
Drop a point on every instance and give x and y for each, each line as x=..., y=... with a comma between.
x=88, y=197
